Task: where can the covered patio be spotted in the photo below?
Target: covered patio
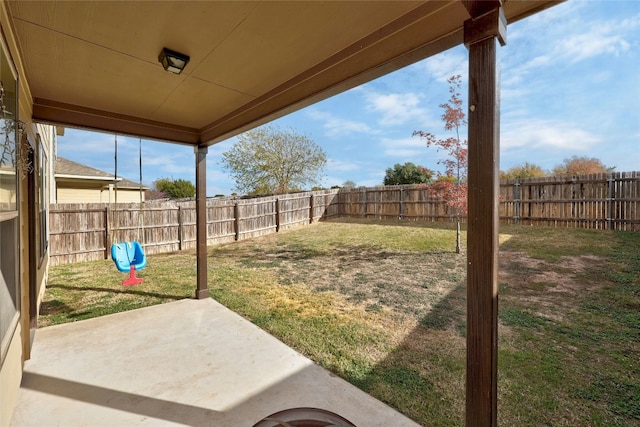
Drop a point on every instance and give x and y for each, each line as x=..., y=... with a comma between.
x=95, y=65
x=189, y=362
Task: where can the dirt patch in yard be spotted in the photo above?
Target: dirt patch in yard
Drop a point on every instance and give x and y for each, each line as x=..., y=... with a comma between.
x=550, y=290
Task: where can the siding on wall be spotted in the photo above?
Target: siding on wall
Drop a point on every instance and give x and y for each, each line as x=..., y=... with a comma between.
x=7, y=194
x=124, y=196
x=94, y=195
x=74, y=195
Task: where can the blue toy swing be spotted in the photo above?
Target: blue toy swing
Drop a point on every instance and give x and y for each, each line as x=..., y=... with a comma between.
x=129, y=257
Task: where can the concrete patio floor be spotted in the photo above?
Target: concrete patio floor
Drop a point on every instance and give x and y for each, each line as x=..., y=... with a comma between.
x=187, y=362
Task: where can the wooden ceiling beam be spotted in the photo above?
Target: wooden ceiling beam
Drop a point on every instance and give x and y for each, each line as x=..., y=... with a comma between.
x=477, y=8
x=58, y=113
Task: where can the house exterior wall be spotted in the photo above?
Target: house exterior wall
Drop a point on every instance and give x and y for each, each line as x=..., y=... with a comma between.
x=81, y=195
x=75, y=193
x=6, y=192
x=10, y=377
x=22, y=223
x=127, y=196
x=11, y=336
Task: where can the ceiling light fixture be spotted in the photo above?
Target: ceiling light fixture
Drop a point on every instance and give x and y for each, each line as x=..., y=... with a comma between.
x=172, y=61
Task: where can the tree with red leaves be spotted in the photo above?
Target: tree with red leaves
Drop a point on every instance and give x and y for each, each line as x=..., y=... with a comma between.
x=452, y=185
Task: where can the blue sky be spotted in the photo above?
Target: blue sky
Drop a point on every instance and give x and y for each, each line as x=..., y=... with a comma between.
x=570, y=85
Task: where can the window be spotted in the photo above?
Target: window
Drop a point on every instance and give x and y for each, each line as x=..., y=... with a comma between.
x=9, y=282
x=8, y=143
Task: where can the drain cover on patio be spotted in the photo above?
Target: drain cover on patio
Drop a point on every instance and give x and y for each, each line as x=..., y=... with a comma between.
x=304, y=417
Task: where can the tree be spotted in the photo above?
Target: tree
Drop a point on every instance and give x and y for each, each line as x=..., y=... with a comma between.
x=269, y=160
x=407, y=174
x=153, y=194
x=452, y=186
x=174, y=188
x=348, y=184
x=581, y=166
x=525, y=170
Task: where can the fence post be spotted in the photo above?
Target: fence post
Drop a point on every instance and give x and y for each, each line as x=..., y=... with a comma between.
x=107, y=240
x=327, y=205
x=401, y=203
x=516, y=202
x=277, y=215
x=180, y=230
x=610, y=202
x=236, y=220
x=311, y=209
x=364, y=202
x=574, y=206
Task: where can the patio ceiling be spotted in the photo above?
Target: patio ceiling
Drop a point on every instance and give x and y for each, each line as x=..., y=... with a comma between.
x=93, y=64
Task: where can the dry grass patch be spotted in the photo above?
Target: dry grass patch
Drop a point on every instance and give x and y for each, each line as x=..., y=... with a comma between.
x=548, y=289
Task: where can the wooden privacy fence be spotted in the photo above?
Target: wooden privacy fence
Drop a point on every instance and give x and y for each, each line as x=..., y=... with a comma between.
x=393, y=202
x=602, y=201
x=84, y=232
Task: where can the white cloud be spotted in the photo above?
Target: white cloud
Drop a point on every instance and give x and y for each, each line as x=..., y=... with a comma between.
x=566, y=36
x=547, y=20
x=600, y=41
x=94, y=143
x=396, y=108
x=546, y=134
x=446, y=64
x=509, y=92
x=541, y=61
x=338, y=126
x=170, y=164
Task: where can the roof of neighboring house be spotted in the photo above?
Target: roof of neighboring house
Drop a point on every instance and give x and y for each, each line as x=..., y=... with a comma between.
x=69, y=169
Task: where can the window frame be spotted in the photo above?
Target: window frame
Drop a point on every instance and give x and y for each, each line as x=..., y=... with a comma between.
x=10, y=218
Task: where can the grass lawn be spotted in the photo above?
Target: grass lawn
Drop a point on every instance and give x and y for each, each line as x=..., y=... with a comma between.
x=382, y=304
